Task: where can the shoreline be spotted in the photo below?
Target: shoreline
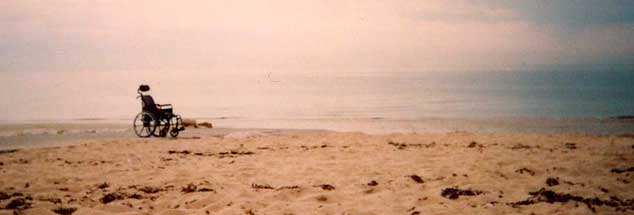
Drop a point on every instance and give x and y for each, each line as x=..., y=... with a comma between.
x=54, y=135
x=21, y=135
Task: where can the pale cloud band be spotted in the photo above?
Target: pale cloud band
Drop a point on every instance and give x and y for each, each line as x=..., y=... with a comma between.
x=105, y=35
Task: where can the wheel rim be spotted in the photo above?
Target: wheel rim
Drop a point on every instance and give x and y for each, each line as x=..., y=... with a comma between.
x=144, y=124
x=174, y=123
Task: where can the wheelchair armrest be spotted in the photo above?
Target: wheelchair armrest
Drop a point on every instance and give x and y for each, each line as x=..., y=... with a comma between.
x=164, y=107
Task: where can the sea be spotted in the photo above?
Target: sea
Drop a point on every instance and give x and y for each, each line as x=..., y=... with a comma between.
x=374, y=101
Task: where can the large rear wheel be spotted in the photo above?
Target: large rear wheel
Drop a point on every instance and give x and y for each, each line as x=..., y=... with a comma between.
x=144, y=124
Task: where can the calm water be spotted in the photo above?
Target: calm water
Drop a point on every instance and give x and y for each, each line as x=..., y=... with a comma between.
x=273, y=96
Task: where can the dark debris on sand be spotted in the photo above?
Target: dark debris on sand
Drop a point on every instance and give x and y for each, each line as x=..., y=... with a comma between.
x=550, y=196
x=325, y=186
x=19, y=204
x=525, y=170
x=260, y=186
x=619, y=171
x=110, y=197
x=17, y=194
x=204, y=189
x=51, y=200
x=149, y=189
x=64, y=210
x=552, y=182
x=571, y=145
x=249, y=212
x=413, y=210
x=373, y=183
x=520, y=146
x=417, y=179
x=405, y=145
x=288, y=187
x=103, y=185
x=269, y=187
x=135, y=196
x=604, y=190
x=573, y=183
x=114, y=196
x=455, y=193
x=190, y=188
x=474, y=144
x=4, y=196
x=8, y=151
x=398, y=145
x=231, y=153
x=314, y=147
x=624, y=181
x=184, y=152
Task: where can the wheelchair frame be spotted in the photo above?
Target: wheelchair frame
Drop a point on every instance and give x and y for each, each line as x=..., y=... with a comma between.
x=155, y=119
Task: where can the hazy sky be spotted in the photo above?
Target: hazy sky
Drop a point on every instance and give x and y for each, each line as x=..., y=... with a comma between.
x=69, y=35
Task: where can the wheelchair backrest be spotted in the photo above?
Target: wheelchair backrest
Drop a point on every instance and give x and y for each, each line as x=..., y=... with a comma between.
x=148, y=103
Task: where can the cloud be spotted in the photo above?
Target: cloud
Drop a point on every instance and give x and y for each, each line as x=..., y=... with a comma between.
x=113, y=35
x=569, y=13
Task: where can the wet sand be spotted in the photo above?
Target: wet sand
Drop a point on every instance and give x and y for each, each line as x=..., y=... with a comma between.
x=319, y=172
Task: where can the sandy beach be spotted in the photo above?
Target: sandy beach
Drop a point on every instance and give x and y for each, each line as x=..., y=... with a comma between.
x=289, y=107
x=323, y=172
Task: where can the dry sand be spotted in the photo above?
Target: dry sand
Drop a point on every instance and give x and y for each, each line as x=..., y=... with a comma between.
x=324, y=173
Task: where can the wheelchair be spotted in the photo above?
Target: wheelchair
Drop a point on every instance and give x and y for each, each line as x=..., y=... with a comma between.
x=156, y=119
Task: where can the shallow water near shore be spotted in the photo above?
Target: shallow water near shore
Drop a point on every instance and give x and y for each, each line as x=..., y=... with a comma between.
x=44, y=134
x=71, y=104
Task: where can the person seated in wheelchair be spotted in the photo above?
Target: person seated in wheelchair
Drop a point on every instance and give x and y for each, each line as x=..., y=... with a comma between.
x=155, y=119
x=159, y=110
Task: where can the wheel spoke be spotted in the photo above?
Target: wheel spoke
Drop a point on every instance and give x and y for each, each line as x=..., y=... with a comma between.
x=143, y=124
